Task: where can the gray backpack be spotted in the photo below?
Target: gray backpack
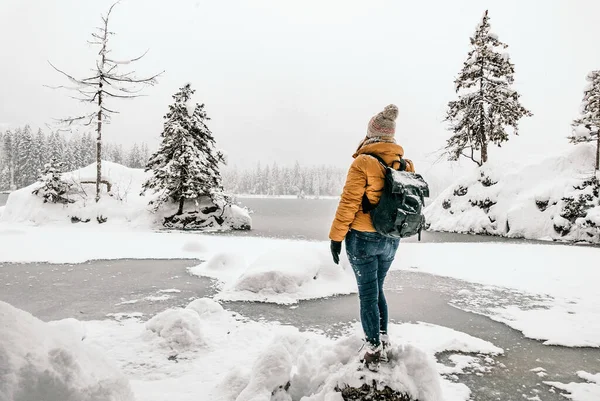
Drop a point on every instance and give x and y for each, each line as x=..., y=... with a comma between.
x=399, y=213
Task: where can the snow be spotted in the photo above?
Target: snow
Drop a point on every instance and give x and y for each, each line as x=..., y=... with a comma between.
x=589, y=391
x=1, y=211
x=521, y=203
x=123, y=207
x=241, y=359
x=180, y=328
x=41, y=360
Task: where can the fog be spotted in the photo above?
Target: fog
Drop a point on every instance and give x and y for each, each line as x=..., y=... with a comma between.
x=299, y=80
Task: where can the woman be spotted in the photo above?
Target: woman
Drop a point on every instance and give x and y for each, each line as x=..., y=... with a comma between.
x=370, y=253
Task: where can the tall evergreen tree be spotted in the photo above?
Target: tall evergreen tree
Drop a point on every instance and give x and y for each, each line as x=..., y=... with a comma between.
x=16, y=168
x=144, y=154
x=39, y=152
x=10, y=159
x=134, y=159
x=186, y=165
x=586, y=128
x=27, y=173
x=486, y=102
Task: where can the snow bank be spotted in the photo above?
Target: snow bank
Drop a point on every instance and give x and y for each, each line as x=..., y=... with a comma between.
x=45, y=361
x=589, y=391
x=1, y=211
x=123, y=205
x=531, y=202
x=284, y=273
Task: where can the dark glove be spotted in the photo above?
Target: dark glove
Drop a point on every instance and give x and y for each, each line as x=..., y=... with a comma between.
x=336, y=249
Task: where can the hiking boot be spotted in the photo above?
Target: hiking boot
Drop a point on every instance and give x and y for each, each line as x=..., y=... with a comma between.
x=385, y=347
x=372, y=358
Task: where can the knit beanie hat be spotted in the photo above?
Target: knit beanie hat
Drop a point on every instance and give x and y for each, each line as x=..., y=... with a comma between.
x=383, y=125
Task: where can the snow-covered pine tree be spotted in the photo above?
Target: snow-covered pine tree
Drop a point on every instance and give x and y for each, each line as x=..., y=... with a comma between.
x=186, y=165
x=54, y=188
x=134, y=159
x=486, y=102
x=39, y=152
x=27, y=173
x=144, y=154
x=16, y=168
x=586, y=128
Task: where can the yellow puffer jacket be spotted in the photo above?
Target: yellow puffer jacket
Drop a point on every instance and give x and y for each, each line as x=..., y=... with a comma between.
x=366, y=175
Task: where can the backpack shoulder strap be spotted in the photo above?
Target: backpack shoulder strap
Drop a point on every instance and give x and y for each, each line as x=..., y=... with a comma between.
x=402, y=161
x=379, y=159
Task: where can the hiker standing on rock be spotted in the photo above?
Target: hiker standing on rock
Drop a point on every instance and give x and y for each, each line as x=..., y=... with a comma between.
x=370, y=253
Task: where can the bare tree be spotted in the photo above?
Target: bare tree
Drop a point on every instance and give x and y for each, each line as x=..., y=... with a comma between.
x=107, y=82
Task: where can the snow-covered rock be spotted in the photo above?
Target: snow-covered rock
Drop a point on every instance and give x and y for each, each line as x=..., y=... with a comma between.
x=44, y=361
x=205, y=307
x=554, y=199
x=121, y=203
x=180, y=328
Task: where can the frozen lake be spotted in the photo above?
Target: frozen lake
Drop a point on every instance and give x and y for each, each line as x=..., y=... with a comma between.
x=96, y=289
x=310, y=219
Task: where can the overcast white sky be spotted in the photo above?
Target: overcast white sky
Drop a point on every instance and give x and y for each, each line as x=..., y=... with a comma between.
x=298, y=80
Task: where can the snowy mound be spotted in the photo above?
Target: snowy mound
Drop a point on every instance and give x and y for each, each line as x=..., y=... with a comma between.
x=313, y=368
x=555, y=199
x=180, y=328
x=121, y=202
x=44, y=361
x=285, y=273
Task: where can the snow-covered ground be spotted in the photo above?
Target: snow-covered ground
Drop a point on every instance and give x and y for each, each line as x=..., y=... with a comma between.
x=202, y=352
x=525, y=201
x=124, y=206
x=566, y=310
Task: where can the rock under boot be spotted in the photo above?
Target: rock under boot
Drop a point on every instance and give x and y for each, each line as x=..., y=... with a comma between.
x=372, y=358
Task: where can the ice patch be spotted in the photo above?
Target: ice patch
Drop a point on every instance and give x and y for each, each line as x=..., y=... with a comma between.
x=158, y=298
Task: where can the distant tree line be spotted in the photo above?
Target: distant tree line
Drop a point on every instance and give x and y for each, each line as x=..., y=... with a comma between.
x=277, y=180
x=24, y=154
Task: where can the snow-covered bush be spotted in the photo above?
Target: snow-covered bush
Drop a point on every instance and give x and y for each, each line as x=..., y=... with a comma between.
x=41, y=361
x=554, y=199
x=54, y=189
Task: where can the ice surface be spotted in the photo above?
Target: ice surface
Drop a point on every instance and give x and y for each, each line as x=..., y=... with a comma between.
x=284, y=271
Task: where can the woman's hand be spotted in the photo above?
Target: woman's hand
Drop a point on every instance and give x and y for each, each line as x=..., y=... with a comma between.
x=336, y=249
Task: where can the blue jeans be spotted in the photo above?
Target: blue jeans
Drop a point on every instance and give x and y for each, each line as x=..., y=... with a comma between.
x=371, y=256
